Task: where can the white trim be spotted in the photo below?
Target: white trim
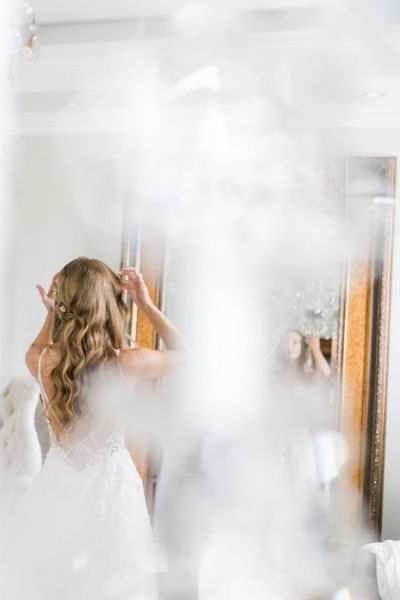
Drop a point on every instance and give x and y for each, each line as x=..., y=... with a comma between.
x=68, y=68
x=295, y=42
x=116, y=120
x=52, y=122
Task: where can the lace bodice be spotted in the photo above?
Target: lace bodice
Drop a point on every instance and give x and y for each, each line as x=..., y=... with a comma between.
x=94, y=436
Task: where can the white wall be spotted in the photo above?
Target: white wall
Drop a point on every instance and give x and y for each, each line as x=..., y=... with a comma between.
x=67, y=202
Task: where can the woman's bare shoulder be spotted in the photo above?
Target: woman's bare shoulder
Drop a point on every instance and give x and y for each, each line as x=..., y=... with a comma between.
x=149, y=364
x=50, y=359
x=131, y=359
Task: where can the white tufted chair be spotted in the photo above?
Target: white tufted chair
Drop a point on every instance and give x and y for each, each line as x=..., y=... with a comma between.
x=20, y=453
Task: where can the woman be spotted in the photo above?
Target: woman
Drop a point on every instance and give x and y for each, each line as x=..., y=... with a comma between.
x=300, y=357
x=96, y=539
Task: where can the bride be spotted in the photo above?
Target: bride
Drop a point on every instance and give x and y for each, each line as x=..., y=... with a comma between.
x=82, y=530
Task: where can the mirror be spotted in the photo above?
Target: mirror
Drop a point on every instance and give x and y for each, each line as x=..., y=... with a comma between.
x=347, y=310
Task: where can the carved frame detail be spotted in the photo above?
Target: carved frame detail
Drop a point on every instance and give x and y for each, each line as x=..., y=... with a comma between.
x=364, y=320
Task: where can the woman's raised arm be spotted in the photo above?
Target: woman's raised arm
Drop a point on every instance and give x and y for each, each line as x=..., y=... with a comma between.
x=322, y=365
x=143, y=362
x=45, y=335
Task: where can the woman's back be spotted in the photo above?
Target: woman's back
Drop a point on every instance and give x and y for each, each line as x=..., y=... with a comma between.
x=94, y=537
x=96, y=429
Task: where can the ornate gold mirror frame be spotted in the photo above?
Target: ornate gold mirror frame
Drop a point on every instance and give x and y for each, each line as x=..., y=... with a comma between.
x=364, y=329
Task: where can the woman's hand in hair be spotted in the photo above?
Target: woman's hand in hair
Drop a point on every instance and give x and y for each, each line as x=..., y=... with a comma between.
x=322, y=365
x=313, y=342
x=48, y=297
x=135, y=286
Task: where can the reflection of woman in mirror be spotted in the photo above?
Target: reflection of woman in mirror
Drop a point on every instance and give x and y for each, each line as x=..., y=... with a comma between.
x=88, y=490
x=299, y=357
x=299, y=367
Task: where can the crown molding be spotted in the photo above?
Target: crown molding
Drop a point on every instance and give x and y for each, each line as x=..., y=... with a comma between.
x=313, y=41
x=65, y=67
x=51, y=123
x=115, y=122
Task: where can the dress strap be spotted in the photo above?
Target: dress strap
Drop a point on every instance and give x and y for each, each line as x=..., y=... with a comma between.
x=120, y=371
x=44, y=395
x=119, y=367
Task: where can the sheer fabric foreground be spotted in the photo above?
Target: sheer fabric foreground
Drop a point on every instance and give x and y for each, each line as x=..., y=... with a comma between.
x=81, y=531
x=387, y=555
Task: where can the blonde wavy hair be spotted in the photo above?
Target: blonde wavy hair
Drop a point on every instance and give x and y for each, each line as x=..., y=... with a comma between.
x=89, y=327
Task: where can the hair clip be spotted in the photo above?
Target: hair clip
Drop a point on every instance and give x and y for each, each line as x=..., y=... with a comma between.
x=62, y=308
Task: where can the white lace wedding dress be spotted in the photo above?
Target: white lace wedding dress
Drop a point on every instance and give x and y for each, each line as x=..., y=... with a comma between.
x=82, y=530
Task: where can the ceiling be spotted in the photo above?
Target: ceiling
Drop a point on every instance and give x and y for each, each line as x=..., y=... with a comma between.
x=68, y=11
x=89, y=49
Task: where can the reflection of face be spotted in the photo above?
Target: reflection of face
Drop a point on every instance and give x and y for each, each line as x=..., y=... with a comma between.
x=292, y=345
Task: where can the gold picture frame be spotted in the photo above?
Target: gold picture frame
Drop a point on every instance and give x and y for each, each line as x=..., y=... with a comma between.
x=364, y=331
